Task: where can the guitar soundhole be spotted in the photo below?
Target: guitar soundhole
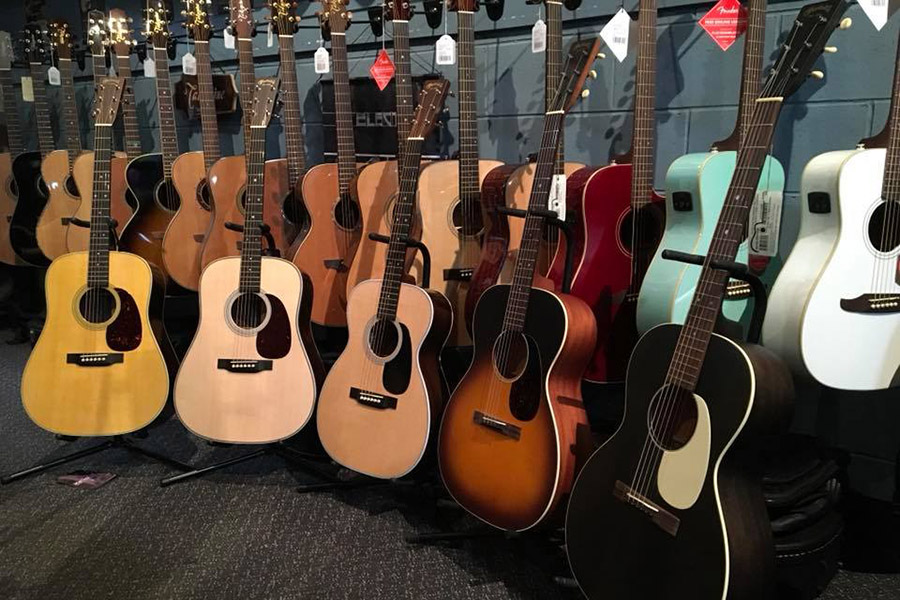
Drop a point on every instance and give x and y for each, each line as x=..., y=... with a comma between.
x=510, y=355
x=204, y=196
x=70, y=186
x=383, y=338
x=295, y=211
x=166, y=196
x=97, y=305
x=884, y=227
x=644, y=235
x=248, y=311
x=469, y=224
x=672, y=417
x=346, y=214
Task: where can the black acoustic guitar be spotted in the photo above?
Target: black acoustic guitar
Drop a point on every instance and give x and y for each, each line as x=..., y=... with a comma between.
x=669, y=507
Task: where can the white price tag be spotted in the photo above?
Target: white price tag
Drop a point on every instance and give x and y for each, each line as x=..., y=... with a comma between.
x=27, y=89
x=111, y=71
x=149, y=67
x=229, y=39
x=321, y=61
x=765, y=223
x=876, y=10
x=539, y=37
x=270, y=36
x=615, y=34
x=189, y=64
x=557, y=200
x=445, y=50
x=53, y=76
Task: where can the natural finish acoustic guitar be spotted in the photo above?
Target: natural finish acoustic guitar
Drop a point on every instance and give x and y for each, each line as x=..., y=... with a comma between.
x=250, y=374
x=383, y=395
x=506, y=442
x=671, y=506
x=9, y=106
x=96, y=369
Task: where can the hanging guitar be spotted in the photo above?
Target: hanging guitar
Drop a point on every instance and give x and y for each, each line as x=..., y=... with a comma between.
x=9, y=106
x=669, y=506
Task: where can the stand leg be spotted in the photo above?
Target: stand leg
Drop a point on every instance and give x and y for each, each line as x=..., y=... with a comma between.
x=190, y=474
x=452, y=536
x=59, y=461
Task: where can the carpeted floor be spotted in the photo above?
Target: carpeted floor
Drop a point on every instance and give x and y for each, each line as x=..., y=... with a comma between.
x=246, y=533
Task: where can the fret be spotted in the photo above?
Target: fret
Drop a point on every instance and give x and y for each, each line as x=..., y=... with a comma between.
x=402, y=82
x=168, y=139
x=343, y=116
x=290, y=110
x=247, y=76
x=69, y=110
x=46, y=141
x=133, y=146
x=251, y=247
x=98, y=245
x=890, y=187
x=208, y=119
x=9, y=102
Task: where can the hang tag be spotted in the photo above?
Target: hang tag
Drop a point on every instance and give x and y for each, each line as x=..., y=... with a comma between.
x=539, y=37
x=557, y=200
x=765, y=223
x=725, y=22
x=445, y=50
x=149, y=67
x=382, y=70
x=53, y=76
x=27, y=89
x=615, y=34
x=270, y=37
x=229, y=39
x=189, y=64
x=876, y=10
x=321, y=61
x=111, y=71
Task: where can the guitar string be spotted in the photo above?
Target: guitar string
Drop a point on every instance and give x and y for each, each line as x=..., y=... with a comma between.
x=887, y=262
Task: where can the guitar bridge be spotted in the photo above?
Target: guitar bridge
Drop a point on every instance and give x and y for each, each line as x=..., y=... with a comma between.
x=872, y=304
x=660, y=516
x=242, y=365
x=507, y=429
x=94, y=359
x=737, y=290
x=373, y=399
x=460, y=274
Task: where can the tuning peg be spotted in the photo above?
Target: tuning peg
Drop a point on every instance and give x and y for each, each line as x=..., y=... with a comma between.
x=817, y=75
x=846, y=22
x=592, y=74
x=830, y=49
x=585, y=93
x=600, y=55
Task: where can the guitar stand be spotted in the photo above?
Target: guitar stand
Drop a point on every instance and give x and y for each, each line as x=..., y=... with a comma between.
x=271, y=249
x=411, y=243
x=550, y=218
x=116, y=441
x=738, y=271
x=113, y=234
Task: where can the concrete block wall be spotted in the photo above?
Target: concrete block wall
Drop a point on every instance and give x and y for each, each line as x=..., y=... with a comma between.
x=697, y=92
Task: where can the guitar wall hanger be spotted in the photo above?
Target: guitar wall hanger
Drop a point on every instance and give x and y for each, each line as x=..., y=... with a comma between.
x=271, y=248
x=411, y=243
x=113, y=224
x=550, y=218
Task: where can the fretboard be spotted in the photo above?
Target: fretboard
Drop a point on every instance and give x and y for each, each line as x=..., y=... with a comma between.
x=403, y=83
x=404, y=212
x=690, y=351
x=42, y=108
x=11, y=112
x=248, y=81
x=553, y=69
x=168, y=138
x=890, y=186
x=751, y=71
x=343, y=115
x=251, y=247
x=469, y=193
x=70, y=110
x=98, y=256
x=208, y=123
x=98, y=66
x=133, y=146
x=290, y=110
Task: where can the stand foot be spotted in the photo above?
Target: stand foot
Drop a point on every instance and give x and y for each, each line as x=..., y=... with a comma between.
x=214, y=467
x=454, y=536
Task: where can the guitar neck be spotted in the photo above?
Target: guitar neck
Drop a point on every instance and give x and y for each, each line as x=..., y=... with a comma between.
x=98, y=265
x=251, y=247
x=553, y=69
x=248, y=81
x=208, y=121
x=751, y=71
x=133, y=146
x=70, y=110
x=890, y=187
x=690, y=351
x=343, y=118
x=98, y=67
x=469, y=192
x=168, y=139
x=42, y=108
x=290, y=110
x=402, y=82
x=10, y=108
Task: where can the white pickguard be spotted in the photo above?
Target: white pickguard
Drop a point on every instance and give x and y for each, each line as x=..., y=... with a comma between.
x=682, y=472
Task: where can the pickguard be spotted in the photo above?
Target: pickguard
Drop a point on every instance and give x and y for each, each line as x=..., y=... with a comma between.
x=396, y=374
x=526, y=392
x=125, y=332
x=274, y=340
x=682, y=472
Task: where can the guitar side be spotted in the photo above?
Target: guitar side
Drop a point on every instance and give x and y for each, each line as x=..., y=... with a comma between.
x=145, y=230
x=7, y=208
x=32, y=198
x=186, y=231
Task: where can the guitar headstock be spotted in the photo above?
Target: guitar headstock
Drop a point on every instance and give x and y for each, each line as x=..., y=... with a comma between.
x=334, y=16
x=61, y=38
x=98, y=32
x=196, y=19
x=6, y=51
x=398, y=10
x=120, y=32
x=264, y=96
x=462, y=5
x=35, y=45
x=575, y=73
x=240, y=17
x=431, y=103
x=813, y=26
x=109, y=94
x=156, y=24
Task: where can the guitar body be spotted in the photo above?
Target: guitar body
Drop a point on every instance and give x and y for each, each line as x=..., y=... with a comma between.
x=62, y=202
x=236, y=407
x=386, y=441
x=183, y=240
x=78, y=238
x=332, y=239
x=156, y=203
x=696, y=185
x=723, y=546
x=227, y=182
x=514, y=479
x=71, y=399
x=29, y=206
x=7, y=208
x=603, y=276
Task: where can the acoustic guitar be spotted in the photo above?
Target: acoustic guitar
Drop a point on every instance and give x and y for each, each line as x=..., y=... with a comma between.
x=30, y=185
x=283, y=176
x=506, y=443
x=96, y=368
x=834, y=311
x=103, y=32
x=383, y=394
x=676, y=482
x=9, y=106
x=329, y=192
x=248, y=377
x=695, y=190
x=56, y=168
x=188, y=227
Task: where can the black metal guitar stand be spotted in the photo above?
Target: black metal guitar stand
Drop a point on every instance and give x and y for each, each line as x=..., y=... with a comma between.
x=550, y=218
x=411, y=243
x=113, y=234
x=271, y=249
x=738, y=271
